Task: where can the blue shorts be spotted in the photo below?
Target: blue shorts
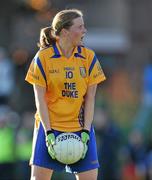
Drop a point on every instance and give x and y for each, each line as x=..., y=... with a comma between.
x=40, y=156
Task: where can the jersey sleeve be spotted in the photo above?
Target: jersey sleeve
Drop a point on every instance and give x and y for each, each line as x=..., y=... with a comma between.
x=96, y=74
x=36, y=73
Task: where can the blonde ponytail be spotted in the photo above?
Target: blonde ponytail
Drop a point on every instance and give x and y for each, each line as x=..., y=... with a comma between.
x=47, y=37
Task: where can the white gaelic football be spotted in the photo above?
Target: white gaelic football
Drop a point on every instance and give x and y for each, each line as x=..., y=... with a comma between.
x=68, y=148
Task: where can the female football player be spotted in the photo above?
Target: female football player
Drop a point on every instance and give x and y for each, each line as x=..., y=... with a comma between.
x=64, y=75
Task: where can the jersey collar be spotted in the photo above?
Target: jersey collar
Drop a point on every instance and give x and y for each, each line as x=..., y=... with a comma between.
x=57, y=52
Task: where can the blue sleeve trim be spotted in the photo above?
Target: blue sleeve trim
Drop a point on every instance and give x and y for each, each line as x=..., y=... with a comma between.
x=38, y=62
x=92, y=64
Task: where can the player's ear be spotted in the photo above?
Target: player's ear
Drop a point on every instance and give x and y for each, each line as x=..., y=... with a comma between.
x=64, y=32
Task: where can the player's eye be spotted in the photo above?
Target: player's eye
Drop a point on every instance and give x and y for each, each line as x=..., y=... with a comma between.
x=81, y=26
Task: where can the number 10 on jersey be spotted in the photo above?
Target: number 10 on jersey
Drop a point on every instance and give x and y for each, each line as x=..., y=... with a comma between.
x=69, y=74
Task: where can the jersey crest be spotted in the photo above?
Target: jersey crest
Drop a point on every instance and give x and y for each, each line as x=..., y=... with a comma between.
x=83, y=72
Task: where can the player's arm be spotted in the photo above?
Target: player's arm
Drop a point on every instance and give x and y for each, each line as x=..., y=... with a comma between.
x=41, y=106
x=89, y=106
x=88, y=116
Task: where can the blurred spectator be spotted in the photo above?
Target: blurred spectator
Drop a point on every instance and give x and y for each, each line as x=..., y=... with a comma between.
x=149, y=165
x=135, y=157
x=108, y=141
x=6, y=77
x=8, y=123
x=24, y=145
x=20, y=56
x=120, y=80
x=149, y=157
x=129, y=169
x=144, y=113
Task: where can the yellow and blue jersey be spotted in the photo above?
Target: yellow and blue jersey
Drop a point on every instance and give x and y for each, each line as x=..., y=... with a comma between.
x=66, y=81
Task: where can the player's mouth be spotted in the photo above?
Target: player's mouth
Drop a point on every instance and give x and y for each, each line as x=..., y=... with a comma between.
x=81, y=40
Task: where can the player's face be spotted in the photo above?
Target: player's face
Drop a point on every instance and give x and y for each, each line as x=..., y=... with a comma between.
x=77, y=31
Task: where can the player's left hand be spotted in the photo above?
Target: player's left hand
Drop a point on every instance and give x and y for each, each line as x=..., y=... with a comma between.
x=85, y=137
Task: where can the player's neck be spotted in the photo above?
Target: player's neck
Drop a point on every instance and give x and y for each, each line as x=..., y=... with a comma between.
x=66, y=48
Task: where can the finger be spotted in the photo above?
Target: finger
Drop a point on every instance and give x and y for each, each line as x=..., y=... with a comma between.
x=51, y=152
x=84, y=151
x=53, y=140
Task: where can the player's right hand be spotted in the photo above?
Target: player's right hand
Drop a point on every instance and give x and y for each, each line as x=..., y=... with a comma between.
x=50, y=141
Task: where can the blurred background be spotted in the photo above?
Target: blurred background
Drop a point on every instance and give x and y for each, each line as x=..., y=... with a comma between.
x=120, y=32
